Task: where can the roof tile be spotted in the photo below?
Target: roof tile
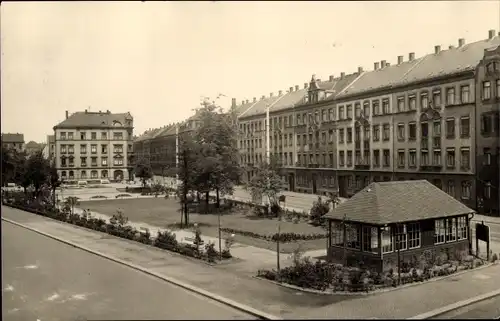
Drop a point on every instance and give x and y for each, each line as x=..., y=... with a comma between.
x=401, y=201
x=94, y=119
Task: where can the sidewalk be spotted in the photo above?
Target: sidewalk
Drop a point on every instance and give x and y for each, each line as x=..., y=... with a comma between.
x=486, y=219
x=262, y=295
x=252, y=258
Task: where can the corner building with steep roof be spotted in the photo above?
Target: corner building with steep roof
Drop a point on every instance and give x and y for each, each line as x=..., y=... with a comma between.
x=91, y=146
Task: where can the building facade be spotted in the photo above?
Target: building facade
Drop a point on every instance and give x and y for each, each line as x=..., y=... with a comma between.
x=49, y=149
x=431, y=117
x=94, y=145
x=13, y=141
x=488, y=133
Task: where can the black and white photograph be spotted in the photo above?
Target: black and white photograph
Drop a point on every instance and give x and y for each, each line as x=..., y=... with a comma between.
x=262, y=160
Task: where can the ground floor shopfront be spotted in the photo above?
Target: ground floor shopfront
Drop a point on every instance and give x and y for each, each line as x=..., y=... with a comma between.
x=347, y=183
x=84, y=174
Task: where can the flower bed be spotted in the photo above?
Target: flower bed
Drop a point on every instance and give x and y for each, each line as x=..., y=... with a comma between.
x=334, y=278
x=118, y=226
x=283, y=237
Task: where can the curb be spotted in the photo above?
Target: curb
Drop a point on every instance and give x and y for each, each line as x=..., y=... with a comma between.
x=377, y=291
x=213, y=296
x=455, y=306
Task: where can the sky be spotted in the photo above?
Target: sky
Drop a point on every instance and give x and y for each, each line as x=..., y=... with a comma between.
x=157, y=60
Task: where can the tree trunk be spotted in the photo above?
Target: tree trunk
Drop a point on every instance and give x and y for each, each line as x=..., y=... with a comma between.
x=207, y=201
x=218, y=197
x=186, y=215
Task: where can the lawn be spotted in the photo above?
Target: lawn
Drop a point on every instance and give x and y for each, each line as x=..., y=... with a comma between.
x=164, y=212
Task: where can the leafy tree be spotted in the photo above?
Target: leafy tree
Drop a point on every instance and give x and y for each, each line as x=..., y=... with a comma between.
x=188, y=158
x=143, y=171
x=267, y=181
x=70, y=202
x=217, y=167
x=37, y=171
x=53, y=181
x=8, y=165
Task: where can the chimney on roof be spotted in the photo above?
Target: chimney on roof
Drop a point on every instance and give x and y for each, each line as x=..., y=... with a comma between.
x=387, y=64
x=360, y=70
x=342, y=75
x=411, y=56
x=280, y=92
x=254, y=99
x=331, y=78
x=375, y=65
x=270, y=94
x=263, y=96
x=246, y=101
x=67, y=114
x=382, y=64
x=491, y=34
x=437, y=49
x=461, y=42
x=296, y=87
x=306, y=85
x=233, y=102
x=243, y=102
x=290, y=89
x=400, y=60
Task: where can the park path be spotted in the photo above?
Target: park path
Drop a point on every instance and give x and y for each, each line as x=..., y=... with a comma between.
x=251, y=258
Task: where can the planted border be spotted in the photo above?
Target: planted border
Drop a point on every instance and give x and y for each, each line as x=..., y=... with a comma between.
x=118, y=227
x=330, y=278
x=287, y=237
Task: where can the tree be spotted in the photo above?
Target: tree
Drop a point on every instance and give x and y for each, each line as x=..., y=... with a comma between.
x=267, y=181
x=217, y=167
x=53, y=181
x=37, y=171
x=188, y=158
x=143, y=171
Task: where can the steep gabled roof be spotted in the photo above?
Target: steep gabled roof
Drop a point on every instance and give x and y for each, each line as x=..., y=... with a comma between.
x=95, y=119
x=402, y=201
x=445, y=63
x=450, y=61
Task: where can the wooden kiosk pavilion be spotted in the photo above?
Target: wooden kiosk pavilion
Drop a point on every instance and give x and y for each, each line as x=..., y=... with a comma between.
x=391, y=222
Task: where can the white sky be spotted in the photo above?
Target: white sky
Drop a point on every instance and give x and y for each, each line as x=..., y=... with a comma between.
x=155, y=59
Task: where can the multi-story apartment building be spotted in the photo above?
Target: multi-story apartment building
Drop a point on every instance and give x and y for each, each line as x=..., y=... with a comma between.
x=15, y=141
x=433, y=117
x=158, y=146
x=94, y=145
x=33, y=147
x=49, y=149
x=488, y=133
x=415, y=119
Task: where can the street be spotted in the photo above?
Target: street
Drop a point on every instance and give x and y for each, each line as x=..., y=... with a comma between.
x=44, y=279
x=487, y=309
x=494, y=235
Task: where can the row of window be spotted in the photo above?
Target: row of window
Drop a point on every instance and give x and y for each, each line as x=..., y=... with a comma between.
x=70, y=162
x=345, y=135
x=490, y=124
x=70, y=149
x=393, y=238
x=375, y=107
x=93, y=136
x=487, y=92
x=83, y=174
x=436, y=160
